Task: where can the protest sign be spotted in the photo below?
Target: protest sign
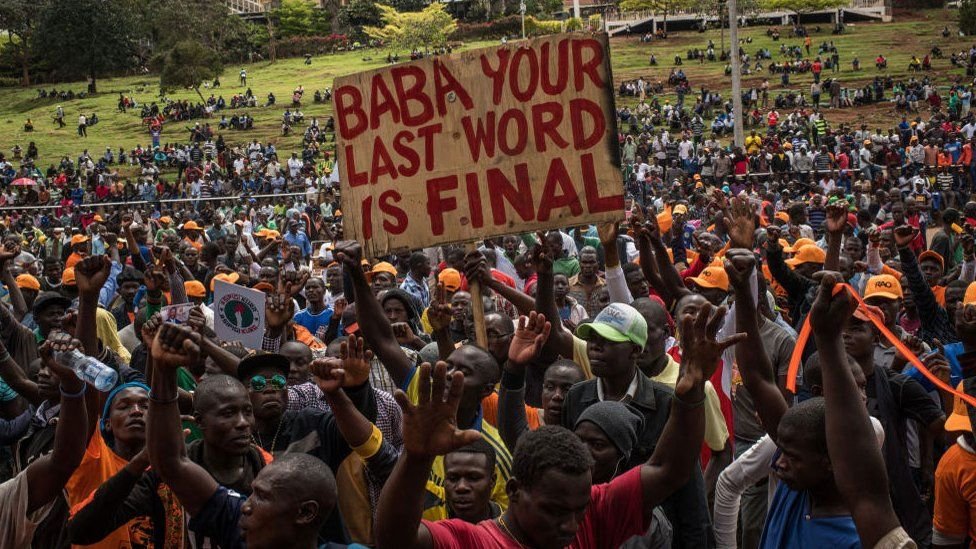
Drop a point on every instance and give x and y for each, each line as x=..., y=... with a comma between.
x=238, y=314
x=177, y=314
x=480, y=143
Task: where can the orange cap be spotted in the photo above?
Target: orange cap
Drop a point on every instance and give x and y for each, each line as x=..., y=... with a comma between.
x=165, y=219
x=192, y=226
x=932, y=256
x=28, y=282
x=451, y=278
x=811, y=253
x=883, y=285
x=782, y=216
x=232, y=278
x=78, y=239
x=711, y=277
x=800, y=242
x=959, y=419
x=68, y=277
x=970, y=297
x=381, y=267
x=194, y=288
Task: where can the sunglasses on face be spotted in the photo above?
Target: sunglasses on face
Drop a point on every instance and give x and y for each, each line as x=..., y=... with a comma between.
x=259, y=383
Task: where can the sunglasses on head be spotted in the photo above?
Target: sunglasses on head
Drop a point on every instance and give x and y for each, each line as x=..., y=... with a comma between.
x=259, y=383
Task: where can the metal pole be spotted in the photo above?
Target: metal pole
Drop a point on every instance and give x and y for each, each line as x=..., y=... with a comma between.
x=736, y=74
x=522, y=11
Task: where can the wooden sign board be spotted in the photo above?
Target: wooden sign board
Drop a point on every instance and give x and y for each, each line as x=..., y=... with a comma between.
x=482, y=143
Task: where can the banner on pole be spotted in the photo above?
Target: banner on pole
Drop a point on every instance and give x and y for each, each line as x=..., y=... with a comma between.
x=481, y=143
x=239, y=314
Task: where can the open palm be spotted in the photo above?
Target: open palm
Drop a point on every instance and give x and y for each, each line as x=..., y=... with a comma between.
x=430, y=427
x=528, y=339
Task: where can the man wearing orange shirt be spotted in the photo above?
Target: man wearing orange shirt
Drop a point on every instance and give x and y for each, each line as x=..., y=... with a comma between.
x=79, y=250
x=954, y=521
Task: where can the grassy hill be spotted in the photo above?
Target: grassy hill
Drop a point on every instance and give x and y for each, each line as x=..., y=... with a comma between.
x=911, y=33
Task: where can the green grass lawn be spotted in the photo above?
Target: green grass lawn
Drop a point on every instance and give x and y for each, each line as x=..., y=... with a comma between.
x=913, y=33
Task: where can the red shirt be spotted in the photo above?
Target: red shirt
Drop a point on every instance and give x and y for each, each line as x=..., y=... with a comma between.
x=615, y=514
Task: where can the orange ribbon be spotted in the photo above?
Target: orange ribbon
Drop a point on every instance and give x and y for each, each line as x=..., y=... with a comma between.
x=804, y=336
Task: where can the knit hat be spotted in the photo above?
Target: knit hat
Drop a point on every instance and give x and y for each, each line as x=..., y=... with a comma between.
x=617, y=421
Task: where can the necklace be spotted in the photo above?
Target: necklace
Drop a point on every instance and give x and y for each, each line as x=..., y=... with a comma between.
x=501, y=522
x=274, y=439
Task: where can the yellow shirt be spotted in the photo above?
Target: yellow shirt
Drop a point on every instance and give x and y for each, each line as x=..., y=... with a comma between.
x=716, y=432
x=435, y=504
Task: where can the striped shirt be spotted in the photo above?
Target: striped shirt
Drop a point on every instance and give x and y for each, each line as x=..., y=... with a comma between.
x=435, y=500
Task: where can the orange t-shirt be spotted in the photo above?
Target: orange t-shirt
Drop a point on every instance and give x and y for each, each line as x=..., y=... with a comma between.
x=100, y=464
x=955, y=494
x=489, y=412
x=939, y=292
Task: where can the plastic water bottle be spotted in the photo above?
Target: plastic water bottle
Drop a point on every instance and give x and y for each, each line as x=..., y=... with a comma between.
x=89, y=369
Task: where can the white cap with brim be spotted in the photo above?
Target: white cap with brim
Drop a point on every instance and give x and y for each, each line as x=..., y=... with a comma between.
x=617, y=322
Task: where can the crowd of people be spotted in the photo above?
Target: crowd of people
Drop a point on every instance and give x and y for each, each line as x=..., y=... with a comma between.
x=775, y=347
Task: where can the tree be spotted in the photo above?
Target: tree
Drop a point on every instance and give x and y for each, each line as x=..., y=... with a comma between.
x=967, y=17
x=799, y=7
x=294, y=18
x=412, y=31
x=19, y=19
x=86, y=38
x=357, y=15
x=186, y=65
x=664, y=7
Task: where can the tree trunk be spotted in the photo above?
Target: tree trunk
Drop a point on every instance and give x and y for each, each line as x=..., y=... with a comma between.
x=25, y=69
x=197, y=89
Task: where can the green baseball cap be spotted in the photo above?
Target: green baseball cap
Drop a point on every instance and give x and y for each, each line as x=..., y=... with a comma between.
x=617, y=322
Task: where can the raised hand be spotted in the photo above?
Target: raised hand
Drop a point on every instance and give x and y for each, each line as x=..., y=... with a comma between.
x=350, y=253
x=430, y=427
x=439, y=314
x=836, y=222
x=530, y=335
x=91, y=273
x=904, y=235
x=339, y=306
x=966, y=323
x=773, y=234
x=175, y=346
x=279, y=309
x=149, y=329
x=542, y=258
x=404, y=333
x=833, y=307
x=197, y=319
x=166, y=259
x=8, y=252
x=741, y=223
x=291, y=283
x=329, y=374
x=700, y=350
x=154, y=279
x=476, y=267
x=739, y=264
x=968, y=245
x=356, y=361
x=60, y=342
x=608, y=232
